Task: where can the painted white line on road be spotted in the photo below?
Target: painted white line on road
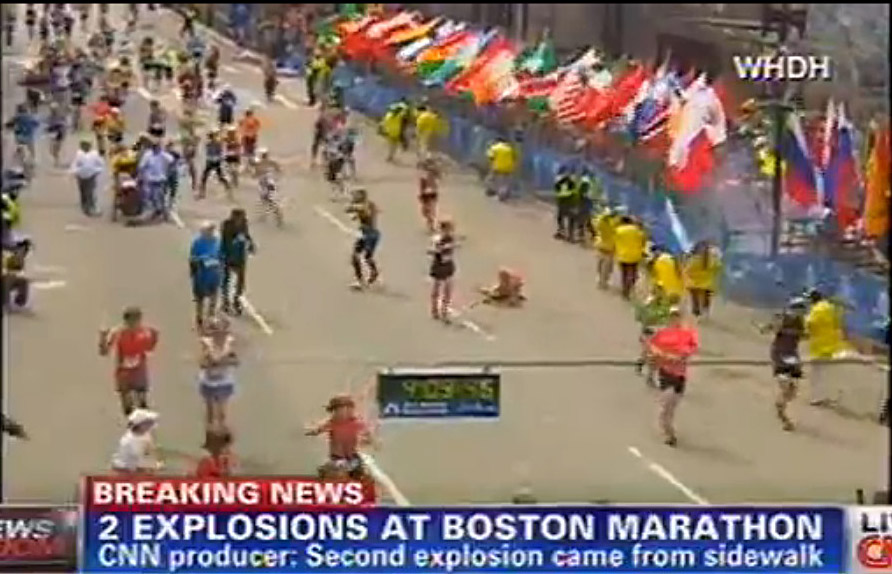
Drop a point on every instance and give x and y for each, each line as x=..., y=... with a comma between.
x=47, y=285
x=76, y=227
x=660, y=471
x=472, y=326
x=177, y=220
x=335, y=221
x=286, y=102
x=256, y=317
x=37, y=268
x=144, y=93
x=385, y=481
x=230, y=69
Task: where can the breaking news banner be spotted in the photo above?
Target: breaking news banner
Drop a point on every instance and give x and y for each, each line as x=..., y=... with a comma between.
x=38, y=538
x=303, y=525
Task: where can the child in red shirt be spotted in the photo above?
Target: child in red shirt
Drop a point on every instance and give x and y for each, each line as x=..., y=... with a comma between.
x=346, y=432
x=219, y=462
x=132, y=342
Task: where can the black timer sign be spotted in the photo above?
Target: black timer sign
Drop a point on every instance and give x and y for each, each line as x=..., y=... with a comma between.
x=438, y=393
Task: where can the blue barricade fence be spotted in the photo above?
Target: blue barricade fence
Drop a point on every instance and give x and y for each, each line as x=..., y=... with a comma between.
x=750, y=278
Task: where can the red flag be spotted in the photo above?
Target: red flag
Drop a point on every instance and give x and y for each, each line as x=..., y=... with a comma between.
x=691, y=176
x=465, y=78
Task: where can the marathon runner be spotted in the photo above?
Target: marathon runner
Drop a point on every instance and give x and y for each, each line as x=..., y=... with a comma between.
x=346, y=432
x=428, y=192
x=131, y=342
x=789, y=330
x=365, y=212
x=442, y=270
x=217, y=366
x=267, y=169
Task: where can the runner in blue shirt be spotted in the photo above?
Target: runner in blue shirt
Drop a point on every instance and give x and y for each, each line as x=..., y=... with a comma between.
x=206, y=272
x=24, y=127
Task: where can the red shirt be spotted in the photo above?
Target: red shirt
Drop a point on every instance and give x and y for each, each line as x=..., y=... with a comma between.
x=679, y=341
x=211, y=467
x=344, y=435
x=132, y=347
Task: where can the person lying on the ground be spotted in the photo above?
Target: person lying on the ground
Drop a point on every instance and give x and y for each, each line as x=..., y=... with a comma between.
x=15, y=283
x=507, y=291
x=12, y=428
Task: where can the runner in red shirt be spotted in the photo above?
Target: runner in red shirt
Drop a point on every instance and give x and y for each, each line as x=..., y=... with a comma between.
x=132, y=342
x=346, y=432
x=219, y=462
x=671, y=347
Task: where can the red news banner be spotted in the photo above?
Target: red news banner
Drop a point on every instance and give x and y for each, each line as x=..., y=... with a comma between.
x=222, y=495
x=38, y=538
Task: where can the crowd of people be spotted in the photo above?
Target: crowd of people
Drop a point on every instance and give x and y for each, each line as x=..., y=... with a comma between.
x=145, y=174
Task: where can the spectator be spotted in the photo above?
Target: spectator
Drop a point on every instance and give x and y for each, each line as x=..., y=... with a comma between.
x=219, y=462
x=87, y=167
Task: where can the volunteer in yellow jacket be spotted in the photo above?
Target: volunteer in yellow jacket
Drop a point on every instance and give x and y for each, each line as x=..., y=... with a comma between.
x=631, y=241
x=392, y=125
x=701, y=274
x=667, y=274
x=826, y=340
x=502, y=164
x=605, y=242
x=428, y=125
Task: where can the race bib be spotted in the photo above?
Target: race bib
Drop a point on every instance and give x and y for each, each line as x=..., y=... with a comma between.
x=130, y=362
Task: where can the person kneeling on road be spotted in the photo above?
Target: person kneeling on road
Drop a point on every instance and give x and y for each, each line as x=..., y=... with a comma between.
x=137, y=452
x=507, y=291
x=347, y=433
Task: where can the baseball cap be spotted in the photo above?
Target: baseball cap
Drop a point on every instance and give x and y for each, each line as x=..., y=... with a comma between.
x=141, y=416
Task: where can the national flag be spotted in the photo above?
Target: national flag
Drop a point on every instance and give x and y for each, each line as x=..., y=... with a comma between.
x=539, y=60
x=696, y=129
x=472, y=73
x=878, y=173
x=801, y=178
x=564, y=100
x=413, y=32
x=533, y=87
x=841, y=175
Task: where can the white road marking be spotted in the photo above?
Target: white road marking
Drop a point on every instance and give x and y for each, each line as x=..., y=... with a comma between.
x=660, y=471
x=37, y=268
x=335, y=221
x=177, y=220
x=47, y=285
x=472, y=326
x=76, y=227
x=144, y=93
x=384, y=480
x=286, y=102
x=230, y=69
x=256, y=317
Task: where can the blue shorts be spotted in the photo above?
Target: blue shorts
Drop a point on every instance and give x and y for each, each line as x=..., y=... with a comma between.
x=367, y=243
x=216, y=392
x=202, y=290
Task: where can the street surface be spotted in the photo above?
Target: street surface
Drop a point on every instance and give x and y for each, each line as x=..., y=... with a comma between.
x=567, y=434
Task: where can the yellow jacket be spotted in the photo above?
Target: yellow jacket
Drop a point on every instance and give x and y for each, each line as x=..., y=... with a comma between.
x=391, y=125
x=824, y=326
x=630, y=243
x=605, y=230
x=427, y=124
x=667, y=274
x=702, y=274
x=502, y=158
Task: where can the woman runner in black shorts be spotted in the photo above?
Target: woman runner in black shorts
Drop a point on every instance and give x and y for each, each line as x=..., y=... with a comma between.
x=442, y=269
x=786, y=364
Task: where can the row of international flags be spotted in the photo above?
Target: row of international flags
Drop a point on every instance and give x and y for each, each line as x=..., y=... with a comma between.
x=681, y=117
x=822, y=167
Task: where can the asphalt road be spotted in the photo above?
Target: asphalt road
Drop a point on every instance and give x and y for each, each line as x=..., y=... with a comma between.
x=568, y=434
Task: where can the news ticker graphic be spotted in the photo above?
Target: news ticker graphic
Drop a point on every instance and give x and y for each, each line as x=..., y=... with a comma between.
x=38, y=536
x=303, y=525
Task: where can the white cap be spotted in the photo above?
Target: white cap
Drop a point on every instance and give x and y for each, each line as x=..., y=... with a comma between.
x=141, y=416
x=207, y=225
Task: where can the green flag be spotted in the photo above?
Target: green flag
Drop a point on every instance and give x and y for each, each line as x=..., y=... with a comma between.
x=538, y=61
x=539, y=105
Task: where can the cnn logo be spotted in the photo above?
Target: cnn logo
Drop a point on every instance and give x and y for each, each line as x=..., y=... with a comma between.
x=871, y=536
x=874, y=552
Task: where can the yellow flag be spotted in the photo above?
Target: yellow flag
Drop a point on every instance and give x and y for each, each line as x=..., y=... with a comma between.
x=876, y=200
